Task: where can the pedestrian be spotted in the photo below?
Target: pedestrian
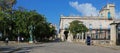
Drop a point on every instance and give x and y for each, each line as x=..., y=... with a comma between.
x=88, y=41
x=6, y=41
x=18, y=38
x=22, y=39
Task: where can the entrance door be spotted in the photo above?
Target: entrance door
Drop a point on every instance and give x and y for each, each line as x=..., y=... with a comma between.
x=118, y=39
x=118, y=35
x=66, y=34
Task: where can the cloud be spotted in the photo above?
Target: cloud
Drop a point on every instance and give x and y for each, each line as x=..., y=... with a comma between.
x=86, y=9
x=117, y=14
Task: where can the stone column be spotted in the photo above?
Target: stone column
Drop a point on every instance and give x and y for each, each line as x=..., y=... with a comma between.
x=113, y=34
x=62, y=36
x=105, y=35
x=82, y=36
x=98, y=35
x=77, y=37
x=70, y=37
x=86, y=34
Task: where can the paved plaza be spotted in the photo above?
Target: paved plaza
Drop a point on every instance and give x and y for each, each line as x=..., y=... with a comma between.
x=57, y=47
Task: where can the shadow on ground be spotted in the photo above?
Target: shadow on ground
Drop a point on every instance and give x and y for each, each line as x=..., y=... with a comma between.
x=6, y=49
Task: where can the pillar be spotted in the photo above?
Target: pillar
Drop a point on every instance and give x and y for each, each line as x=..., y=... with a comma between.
x=113, y=34
x=70, y=37
x=62, y=36
x=82, y=36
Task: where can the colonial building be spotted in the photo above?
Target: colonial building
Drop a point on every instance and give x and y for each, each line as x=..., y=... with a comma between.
x=99, y=26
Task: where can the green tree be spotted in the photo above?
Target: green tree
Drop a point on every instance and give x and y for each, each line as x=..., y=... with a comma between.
x=5, y=16
x=77, y=27
x=24, y=18
x=19, y=20
x=5, y=23
x=7, y=4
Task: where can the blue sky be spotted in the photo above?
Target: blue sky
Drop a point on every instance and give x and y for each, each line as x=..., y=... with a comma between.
x=52, y=9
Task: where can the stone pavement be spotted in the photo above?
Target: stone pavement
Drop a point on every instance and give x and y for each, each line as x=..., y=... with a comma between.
x=57, y=47
x=14, y=47
x=112, y=47
x=66, y=47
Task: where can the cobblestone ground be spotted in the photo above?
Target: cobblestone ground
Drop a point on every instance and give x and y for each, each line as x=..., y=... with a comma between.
x=56, y=47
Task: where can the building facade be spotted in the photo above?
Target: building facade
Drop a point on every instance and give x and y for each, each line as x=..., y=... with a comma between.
x=99, y=26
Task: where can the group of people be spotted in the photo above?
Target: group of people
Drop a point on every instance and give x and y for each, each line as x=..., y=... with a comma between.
x=18, y=39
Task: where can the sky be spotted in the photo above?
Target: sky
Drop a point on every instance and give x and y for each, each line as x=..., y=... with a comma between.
x=52, y=9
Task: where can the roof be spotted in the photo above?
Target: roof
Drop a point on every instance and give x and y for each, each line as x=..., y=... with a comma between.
x=96, y=22
x=84, y=17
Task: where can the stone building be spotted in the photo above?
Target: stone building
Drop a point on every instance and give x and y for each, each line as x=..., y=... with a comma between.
x=99, y=26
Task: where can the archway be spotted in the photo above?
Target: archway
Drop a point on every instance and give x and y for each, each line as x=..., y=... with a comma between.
x=66, y=34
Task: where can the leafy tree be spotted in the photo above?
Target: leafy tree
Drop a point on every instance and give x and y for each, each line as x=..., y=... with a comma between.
x=24, y=18
x=16, y=22
x=5, y=23
x=6, y=15
x=77, y=27
x=7, y=4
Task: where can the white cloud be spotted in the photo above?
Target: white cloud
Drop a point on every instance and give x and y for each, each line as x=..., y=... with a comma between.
x=117, y=14
x=86, y=9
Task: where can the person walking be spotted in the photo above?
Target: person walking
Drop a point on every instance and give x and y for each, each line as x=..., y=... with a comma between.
x=88, y=40
x=6, y=41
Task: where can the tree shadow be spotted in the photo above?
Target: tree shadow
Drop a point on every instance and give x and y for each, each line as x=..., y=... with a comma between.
x=25, y=49
x=18, y=50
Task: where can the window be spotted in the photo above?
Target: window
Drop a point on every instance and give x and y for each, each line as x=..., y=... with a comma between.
x=100, y=27
x=101, y=15
x=96, y=34
x=66, y=26
x=90, y=26
x=108, y=27
x=109, y=15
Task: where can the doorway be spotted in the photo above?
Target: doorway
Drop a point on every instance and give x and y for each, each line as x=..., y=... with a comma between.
x=118, y=35
x=66, y=34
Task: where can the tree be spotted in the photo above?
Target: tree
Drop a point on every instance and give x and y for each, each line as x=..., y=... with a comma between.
x=18, y=21
x=23, y=19
x=77, y=27
x=5, y=23
x=7, y=4
x=6, y=15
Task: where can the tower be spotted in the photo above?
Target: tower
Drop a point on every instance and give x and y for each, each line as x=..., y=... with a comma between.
x=108, y=11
